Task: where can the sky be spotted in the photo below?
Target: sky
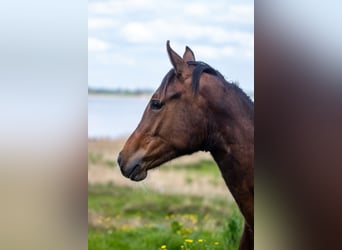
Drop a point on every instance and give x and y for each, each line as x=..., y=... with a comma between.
x=127, y=40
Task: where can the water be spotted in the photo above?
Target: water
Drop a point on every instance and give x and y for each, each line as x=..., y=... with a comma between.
x=114, y=116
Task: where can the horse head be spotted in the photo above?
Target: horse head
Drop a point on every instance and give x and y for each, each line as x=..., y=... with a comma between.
x=173, y=124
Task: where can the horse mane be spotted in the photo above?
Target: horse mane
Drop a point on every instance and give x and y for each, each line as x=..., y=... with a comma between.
x=201, y=67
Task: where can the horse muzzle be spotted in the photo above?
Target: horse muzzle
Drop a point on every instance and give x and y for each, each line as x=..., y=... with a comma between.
x=133, y=168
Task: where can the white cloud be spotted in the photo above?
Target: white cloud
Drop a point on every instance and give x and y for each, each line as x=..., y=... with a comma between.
x=116, y=7
x=114, y=58
x=212, y=52
x=95, y=44
x=139, y=32
x=187, y=25
x=156, y=30
x=196, y=9
x=205, y=51
x=221, y=12
x=138, y=29
x=239, y=13
x=100, y=8
x=100, y=23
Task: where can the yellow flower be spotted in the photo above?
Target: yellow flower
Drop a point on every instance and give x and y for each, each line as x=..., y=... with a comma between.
x=189, y=240
x=200, y=240
x=216, y=243
x=163, y=247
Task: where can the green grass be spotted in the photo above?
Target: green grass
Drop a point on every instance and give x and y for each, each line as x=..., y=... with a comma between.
x=97, y=158
x=155, y=238
x=201, y=167
x=94, y=158
x=137, y=218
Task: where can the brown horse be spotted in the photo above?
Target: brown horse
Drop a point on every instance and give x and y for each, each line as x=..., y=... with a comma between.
x=196, y=109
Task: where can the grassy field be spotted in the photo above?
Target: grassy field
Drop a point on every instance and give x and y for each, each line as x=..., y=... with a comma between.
x=124, y=215
x=130, y=218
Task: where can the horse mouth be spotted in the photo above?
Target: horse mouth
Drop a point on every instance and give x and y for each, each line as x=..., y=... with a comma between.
x=137, y=173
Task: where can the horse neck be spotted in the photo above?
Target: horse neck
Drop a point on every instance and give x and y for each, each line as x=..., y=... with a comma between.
x=231, y=140
x=230, y=117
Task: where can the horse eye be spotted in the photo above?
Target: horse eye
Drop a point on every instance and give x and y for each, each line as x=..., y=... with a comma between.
x=155, y=104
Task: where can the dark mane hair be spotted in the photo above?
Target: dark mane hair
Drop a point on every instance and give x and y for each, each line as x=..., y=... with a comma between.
x=201, y=67
x=167, y=78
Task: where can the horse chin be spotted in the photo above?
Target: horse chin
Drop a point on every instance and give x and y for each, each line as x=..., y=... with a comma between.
x=138, y=176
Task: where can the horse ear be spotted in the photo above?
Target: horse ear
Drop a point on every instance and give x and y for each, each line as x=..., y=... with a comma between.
x=178, y=63
x=188, y=55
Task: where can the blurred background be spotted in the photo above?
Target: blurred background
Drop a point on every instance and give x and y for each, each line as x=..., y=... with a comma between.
x=184, y=203
x=127, y=52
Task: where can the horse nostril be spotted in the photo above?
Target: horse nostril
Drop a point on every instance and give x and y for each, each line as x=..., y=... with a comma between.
x=119, y=160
